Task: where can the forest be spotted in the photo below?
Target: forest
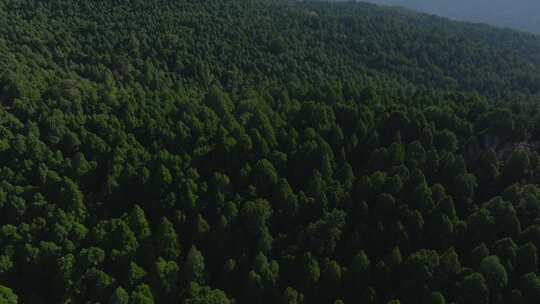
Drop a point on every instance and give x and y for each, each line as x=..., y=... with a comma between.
x=265, y=151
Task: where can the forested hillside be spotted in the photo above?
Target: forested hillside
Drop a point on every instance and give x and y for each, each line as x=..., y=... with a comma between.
x=229, y=151
x=519, y=14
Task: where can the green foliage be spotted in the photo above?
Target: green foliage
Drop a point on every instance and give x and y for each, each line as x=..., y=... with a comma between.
x=291, y=296
x=194, y=266
x=436, y=298
x=205, y=295
x=167, y=241
x=526, y=258
x=167, y=275
x=142, y=295
x=530, y=286
x=265, y=151
x=494, y=273
x=421, y=265
x=473, y=289
x=7, y=296
x=120, y=296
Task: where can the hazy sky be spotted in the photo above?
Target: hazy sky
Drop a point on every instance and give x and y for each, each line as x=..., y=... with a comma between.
x=519, y=14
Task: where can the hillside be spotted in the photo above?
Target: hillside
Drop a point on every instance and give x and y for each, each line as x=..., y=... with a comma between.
x=267, y=151
x=518, y=14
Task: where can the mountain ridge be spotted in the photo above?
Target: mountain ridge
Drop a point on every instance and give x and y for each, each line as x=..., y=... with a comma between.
x=520, y=14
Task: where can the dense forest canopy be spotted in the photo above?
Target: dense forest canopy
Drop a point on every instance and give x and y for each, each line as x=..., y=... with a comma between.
x=519, y=14
x=229, y=151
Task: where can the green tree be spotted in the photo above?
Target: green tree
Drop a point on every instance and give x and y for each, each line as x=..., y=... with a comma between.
x=219, y=101
x=324, y=234
x=265, y=175
x=309, y=271
x=255, y=215
x=138, y=223
x=473, y=289
x=331, y=279
x=135, y=274
x=436, y=298
x=98, y=284
x=119, y=296
x=421, y=266
x=291, y=296
x=530, y=286
x=167, y=275
x=450, y=263
x=494, y=272
x=72, y=198
x=527, y=258
x=7, y=295
x=205, y=295
x=142, y=295
x=516, y=166
x=446, y=140
x=167, y=244
x=370, y=295
x=194, y=267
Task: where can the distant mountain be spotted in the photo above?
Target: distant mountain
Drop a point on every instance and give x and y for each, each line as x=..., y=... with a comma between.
x=519, y=14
